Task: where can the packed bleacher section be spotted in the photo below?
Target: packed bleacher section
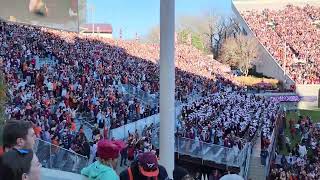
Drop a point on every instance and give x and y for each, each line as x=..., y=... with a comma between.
x=88, y=79
x=229, y=118
x=303, y=160
x=91, y=79
x=292, y=36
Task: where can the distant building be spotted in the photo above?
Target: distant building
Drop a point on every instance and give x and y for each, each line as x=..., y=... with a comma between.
x=103, y=30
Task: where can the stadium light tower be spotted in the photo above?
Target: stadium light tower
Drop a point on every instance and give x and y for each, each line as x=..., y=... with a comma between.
x=167, y=85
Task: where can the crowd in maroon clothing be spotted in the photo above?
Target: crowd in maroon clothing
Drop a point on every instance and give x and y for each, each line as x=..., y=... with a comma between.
x=228, y=118
x=292, y=37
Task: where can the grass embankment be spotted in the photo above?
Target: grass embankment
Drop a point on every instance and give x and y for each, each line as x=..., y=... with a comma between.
x=251, y=80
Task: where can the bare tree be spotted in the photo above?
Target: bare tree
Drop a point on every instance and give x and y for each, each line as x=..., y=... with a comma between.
x=234, y=27
x=212, y=29
x=240, y=51
x=225, y=28
x=218, y=36
x=209, y=30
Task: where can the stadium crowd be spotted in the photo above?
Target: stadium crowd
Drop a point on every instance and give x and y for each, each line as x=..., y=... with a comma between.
x=88, y=80
x=303, y=159
x=227, y=117
x=291, y=35
x=91, y=78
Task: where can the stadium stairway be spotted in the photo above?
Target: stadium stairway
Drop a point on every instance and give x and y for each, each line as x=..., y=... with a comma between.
x=256, y=169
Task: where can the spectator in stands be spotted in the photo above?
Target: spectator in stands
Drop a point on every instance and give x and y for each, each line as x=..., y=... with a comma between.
x=302, y=150
x=146, y=167
x=20, y=164
x=18, y=135
x=180, y=173
x=108, y=153
x=93, y=151
x=215, y=175
x=124, y=156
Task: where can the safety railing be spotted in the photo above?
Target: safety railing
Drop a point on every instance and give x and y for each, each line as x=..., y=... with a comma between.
x=272, y=147
x=153, y=99
x=123, y=131
x=147, y=98
x=244, y=168
x=56, y=157
x=208, y=151
x=185, y=146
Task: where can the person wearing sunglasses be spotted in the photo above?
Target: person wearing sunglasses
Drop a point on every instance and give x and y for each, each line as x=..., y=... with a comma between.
x=19, y=164
x=18, y=135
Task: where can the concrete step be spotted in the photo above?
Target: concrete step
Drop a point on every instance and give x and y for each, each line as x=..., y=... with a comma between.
x=256, y=170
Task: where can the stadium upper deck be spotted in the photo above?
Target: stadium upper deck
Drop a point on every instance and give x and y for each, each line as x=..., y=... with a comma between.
x=243, y=5
x=288, y=30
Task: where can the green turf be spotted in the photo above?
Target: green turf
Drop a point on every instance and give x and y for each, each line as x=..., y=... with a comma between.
x=315, y=117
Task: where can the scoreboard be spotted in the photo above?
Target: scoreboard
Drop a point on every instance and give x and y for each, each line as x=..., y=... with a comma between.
x=60, y=14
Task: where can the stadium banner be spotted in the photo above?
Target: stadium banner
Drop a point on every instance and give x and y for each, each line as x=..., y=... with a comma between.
x=285, y=98
x=294, y=98
x=58, y=14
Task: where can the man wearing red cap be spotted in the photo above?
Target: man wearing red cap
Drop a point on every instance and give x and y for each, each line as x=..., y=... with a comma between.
x=145, y=168
x=108, y=154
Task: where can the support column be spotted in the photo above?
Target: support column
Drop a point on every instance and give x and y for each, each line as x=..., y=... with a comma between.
x=167, y=85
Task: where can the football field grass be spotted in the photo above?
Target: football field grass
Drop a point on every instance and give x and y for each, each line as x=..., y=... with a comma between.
x=315, y=117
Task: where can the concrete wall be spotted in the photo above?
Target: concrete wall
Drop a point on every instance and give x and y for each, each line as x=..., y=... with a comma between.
x=104, y=35
x=310, y=96
x=267, y=64
x=51, y=174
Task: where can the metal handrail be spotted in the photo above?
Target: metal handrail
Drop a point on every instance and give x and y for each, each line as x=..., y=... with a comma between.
x=56, y=157
x=203, y=152
x=59, y=147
